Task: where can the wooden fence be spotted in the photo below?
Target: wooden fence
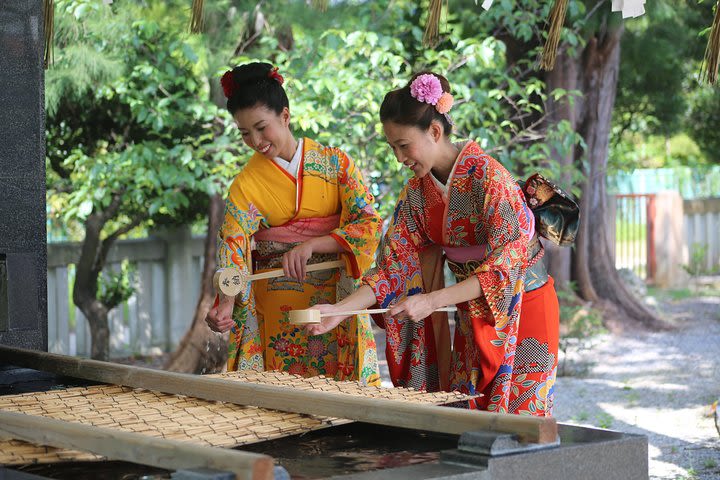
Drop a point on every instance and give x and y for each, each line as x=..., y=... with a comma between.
x=702, y=234
x=663, y=238
x=166, y=278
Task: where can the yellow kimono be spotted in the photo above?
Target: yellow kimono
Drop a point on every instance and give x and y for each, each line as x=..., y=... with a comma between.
x=269, y=212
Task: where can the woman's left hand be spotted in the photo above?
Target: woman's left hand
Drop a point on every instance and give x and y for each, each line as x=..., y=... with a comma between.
x=327, y=323
x=295, y=261
x=415, y=308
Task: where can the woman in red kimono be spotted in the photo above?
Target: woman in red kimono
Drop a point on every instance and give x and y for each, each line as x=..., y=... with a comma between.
x=463, y=206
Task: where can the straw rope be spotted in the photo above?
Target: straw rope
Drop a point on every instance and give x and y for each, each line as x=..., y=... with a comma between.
x=48, y=31
x=712, y=52
x=432, y=28
x=196, y=22
x=556, y=21
x=321, y=5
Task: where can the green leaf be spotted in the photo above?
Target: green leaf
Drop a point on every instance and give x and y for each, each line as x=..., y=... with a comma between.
x=85, y=208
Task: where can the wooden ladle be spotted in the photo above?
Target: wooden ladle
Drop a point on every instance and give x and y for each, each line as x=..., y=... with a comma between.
x=309, y=317
x=231, y=281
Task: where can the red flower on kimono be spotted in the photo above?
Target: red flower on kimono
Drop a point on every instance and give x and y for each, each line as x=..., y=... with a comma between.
x=331, y=367
x=285, y=308
x=255, y=348
x=417, y=348
x=498, y=222
x=471, y=166
x=382, y=288
x=346, y=368
x=295, y=350
x=297, y=368
x=416, y=352
x=343, y=341
x=281, y=345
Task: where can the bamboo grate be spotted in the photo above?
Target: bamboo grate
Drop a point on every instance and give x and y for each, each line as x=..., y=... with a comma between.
x=178, y=417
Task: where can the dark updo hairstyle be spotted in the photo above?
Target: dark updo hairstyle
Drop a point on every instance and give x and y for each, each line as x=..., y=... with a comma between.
x=253, y=83
x=400, y=107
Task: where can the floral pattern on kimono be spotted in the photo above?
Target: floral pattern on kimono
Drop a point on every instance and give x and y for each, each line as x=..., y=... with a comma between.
x=485, y=212
x=263, y=196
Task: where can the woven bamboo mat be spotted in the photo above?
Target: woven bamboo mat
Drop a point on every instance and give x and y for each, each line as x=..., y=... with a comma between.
x=178, y=417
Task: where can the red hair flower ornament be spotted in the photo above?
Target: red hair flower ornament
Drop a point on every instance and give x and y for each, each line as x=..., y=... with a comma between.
x=228, y=84
x=276, y=76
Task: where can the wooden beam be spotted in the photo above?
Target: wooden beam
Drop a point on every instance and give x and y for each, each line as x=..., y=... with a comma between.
x=371, y=410
x=134, y=447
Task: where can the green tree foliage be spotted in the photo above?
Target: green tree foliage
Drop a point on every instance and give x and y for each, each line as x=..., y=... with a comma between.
x=660, y=104
x=136, y=139
x=704, y=124
x=129, y=123
x=337, y=78
x=132, y=139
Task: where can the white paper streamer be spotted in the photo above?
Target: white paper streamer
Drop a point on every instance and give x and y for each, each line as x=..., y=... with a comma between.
x=486, y=4
x=633, y=8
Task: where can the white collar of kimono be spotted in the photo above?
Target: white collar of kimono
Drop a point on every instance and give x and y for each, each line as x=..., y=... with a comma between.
x=292, y=166
x=444, y=186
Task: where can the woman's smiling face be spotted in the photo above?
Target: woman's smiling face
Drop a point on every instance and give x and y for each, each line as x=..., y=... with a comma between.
x=413, y=147
x=266, y=131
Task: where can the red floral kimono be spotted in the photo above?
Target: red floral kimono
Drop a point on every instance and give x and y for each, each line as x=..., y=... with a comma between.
x=484, y=227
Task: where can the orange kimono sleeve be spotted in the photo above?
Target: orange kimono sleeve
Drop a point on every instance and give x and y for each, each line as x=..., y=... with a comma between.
x=360, y=224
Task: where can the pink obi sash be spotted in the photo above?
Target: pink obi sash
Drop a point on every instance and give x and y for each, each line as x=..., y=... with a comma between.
x=465, y=254
x=299, y=230
x=478, y=252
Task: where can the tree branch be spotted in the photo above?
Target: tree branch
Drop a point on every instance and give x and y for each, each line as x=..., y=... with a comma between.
x=107, y=243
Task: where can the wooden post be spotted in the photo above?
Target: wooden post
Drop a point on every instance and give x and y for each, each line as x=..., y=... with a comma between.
x=669, y=240
x=371, y=410
x=133, y=447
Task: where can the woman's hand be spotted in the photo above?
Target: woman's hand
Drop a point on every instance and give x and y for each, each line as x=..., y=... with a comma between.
x=295, y=261
x=416, y=307
x=219, y=318
x=326, y=323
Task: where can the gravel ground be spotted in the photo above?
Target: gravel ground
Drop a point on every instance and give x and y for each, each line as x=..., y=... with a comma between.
x=659, y=384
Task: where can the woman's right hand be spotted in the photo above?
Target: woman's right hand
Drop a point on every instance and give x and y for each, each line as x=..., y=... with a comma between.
x=326, y=323
x=219, y=318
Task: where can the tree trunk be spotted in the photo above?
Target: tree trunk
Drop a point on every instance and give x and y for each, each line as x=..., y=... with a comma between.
x=99, y=331
x=201, y=350
x=565, y=76
x=86, y=287
x=593, y=265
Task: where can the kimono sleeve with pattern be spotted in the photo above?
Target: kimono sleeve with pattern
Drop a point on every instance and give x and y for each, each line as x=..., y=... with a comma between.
x=360, y=225
x=242, y=220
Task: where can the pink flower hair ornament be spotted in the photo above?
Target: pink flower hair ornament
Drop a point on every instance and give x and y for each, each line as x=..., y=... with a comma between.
x=426, y=88
x=444, y=103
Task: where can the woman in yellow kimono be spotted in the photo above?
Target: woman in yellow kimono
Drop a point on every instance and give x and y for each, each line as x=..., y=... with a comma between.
x=294, y=203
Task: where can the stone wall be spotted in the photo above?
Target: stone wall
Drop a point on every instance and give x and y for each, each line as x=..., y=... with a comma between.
x=23, y=253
